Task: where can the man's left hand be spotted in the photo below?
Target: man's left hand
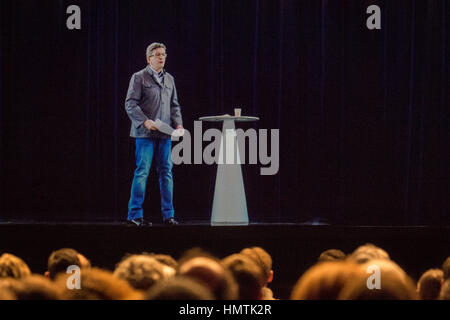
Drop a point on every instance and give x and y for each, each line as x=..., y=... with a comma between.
x=180, y=130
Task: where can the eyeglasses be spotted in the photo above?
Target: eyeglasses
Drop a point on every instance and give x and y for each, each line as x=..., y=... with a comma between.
x=163, y=55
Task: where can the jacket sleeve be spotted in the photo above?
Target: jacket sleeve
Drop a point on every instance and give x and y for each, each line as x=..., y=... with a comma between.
x=175, y=108
x=132, y=101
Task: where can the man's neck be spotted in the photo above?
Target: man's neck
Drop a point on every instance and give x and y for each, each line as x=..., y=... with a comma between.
x=157, y=71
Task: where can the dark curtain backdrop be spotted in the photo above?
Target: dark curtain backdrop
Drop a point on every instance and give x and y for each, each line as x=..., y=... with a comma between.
x=363, y=115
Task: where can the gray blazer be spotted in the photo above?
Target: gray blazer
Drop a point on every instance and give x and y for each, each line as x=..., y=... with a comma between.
x=148, y=99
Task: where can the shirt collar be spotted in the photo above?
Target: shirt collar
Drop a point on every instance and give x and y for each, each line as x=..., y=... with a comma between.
x=160, y=75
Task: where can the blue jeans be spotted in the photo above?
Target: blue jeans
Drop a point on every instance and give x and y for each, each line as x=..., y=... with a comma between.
x=145, y=149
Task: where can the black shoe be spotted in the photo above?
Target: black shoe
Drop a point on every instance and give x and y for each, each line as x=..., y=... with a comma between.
x=139, y=222
x=171, y=222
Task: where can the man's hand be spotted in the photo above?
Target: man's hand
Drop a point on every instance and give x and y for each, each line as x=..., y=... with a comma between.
x=180, y=130
x=150, y=125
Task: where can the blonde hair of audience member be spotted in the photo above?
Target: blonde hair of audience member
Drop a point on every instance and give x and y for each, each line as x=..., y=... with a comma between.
x=12, y=266
x=429, y=284
x=141, y=271
x=367, y=252
x=165, y=259
x=324, y=280
x=98, y=284
x=395, y=284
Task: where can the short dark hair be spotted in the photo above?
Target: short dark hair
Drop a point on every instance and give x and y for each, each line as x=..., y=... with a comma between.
x=60, y=260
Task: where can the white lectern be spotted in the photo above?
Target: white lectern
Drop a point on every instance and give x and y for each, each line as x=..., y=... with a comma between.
x=229, y=205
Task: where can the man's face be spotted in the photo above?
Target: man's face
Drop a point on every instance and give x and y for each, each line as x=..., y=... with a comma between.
x=158, y=59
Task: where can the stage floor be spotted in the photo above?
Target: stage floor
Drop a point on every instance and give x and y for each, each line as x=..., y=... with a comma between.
x=294, y=247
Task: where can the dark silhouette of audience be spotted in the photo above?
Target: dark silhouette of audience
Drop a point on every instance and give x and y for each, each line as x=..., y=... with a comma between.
x=367, y=273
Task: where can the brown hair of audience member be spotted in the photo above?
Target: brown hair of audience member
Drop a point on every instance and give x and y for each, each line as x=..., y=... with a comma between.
x=262, y=259
x=180, y=288
x=195, y=253
x=367, y=252
x=429, y=284
x=59, y=260
x=247, y=274
x=34, y=287
x=12, y=266
x=141, y=271
x=395, y=284
x=324, y=281
x=332, y=255
x=209, y=271
x=446, y=268
x=98, y=284
x=445, y=290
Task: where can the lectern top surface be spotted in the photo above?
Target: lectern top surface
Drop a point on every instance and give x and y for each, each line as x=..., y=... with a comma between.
x=228, y=117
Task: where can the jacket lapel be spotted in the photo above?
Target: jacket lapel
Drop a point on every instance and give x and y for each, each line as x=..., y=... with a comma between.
x=152, y=76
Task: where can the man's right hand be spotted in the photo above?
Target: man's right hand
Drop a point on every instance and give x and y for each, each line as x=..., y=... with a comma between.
x=150, y=125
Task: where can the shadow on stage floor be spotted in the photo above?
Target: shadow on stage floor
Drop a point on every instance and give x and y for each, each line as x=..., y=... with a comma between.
x=294, y=247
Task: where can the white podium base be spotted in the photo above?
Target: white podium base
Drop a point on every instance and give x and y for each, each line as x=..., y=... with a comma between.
x=230, y=205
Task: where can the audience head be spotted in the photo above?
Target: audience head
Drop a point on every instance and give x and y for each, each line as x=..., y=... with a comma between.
x=429, y=284
x=209, y=271
x=141, y=271
x=332, y=255
x=60, y=260
x=12, y=266
x=98, y=284
x=368, y=252
x=366, y=274
x=169, y=263
x=179, y=288
x=165, y=259
x=446, y=268
x=84, y=262
x=34, y=287
x=325, y=280
x=263, y=259
x=247, y=274
x=394, y=283
x=5, y=289
x=445, y=290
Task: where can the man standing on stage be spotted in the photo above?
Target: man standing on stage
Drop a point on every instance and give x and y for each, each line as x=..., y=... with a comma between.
x=152, y=96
